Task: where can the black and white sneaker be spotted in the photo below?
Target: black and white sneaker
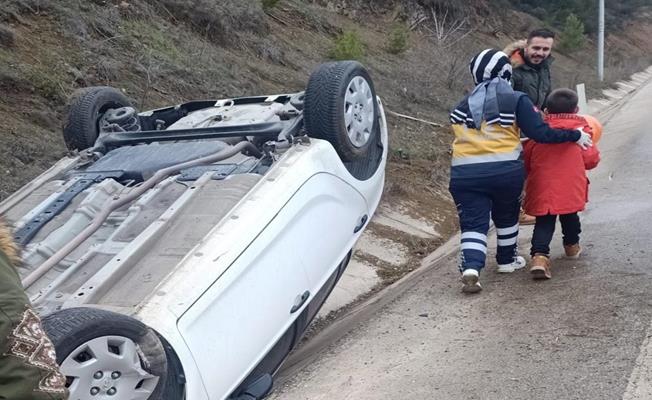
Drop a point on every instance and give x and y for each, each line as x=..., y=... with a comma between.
x=471, y=281
x=518, y=263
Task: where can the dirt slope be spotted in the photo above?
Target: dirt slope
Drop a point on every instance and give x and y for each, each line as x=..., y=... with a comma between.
x=168, y=51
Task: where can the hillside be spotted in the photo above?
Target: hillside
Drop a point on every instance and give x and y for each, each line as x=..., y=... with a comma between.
x=167, y=51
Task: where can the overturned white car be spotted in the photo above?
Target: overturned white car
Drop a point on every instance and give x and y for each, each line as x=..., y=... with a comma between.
x=182, y=252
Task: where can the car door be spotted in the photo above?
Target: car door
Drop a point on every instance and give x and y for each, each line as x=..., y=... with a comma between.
x=334, y=220
x=240, y=319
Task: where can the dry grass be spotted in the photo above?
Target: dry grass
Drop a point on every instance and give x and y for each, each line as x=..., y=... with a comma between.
x=7, y=36
x=220, y=21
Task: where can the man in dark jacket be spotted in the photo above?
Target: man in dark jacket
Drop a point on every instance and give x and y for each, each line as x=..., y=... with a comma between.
x=531, y=65
x=531, y=61
x=28, y=366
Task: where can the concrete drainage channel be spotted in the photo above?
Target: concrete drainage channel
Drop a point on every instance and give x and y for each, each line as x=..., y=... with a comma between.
x=373, y=252
x=613, y=98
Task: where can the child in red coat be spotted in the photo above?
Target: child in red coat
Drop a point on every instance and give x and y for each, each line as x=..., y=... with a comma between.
x=556, y=183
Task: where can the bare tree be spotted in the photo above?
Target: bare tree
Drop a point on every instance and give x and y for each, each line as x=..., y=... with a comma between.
x=150, y=67
x=446, y=29
x=445, y=22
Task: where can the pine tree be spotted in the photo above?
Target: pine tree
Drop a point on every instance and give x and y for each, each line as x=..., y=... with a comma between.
x=572, y=36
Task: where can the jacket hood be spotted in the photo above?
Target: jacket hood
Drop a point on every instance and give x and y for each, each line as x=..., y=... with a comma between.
x=574, y=121
x=566, y=121
x=7, y=244
x=513, y=52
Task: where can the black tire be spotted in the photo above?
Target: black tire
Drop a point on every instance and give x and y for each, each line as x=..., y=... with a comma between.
x=324, y=111
x=71, y=328
x=176, y=380
x=83, y=113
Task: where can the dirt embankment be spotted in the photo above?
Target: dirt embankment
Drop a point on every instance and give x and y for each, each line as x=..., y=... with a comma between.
x=168, y=51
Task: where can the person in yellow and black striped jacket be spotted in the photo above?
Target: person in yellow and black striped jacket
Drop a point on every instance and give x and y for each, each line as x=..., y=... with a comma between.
x=486, y=172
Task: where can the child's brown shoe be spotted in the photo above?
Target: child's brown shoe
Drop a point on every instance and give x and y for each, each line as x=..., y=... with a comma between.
x=540, y=267
x=573, y=250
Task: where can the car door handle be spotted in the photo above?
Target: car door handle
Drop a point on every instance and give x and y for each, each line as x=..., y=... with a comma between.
x=300, y=301
x=361, y=223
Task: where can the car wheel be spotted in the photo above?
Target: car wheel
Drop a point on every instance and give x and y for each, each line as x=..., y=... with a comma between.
x=109, y=355
x=84, y=110
x=341, y=107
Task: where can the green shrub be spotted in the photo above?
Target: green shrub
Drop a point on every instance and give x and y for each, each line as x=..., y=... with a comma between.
x=46, y=82
x=572, y=37
x=269, y=4
x=398, y=39
x=348, y=46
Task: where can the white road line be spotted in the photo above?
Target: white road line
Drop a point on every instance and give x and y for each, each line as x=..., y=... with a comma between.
x=640, y=381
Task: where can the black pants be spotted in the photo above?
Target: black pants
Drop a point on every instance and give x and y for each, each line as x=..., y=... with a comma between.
x=545, y=228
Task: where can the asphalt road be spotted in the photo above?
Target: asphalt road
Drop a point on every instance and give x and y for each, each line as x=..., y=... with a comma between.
x=582, y=335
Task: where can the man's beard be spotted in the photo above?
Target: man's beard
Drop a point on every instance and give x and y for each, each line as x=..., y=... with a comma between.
x=529, y=61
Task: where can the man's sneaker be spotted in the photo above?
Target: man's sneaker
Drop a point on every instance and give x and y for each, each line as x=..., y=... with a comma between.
x=518, y=263
x=540, y=267
x=573, y=250
x=470, y=281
